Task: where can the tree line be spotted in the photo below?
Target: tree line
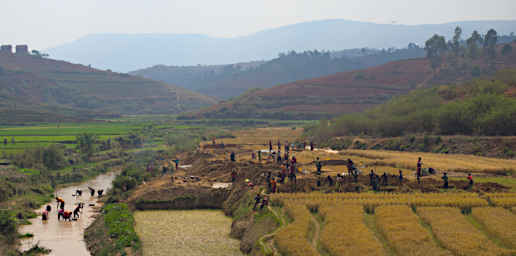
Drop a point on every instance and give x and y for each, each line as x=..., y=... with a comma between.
x=479, y=107
x=475, y=46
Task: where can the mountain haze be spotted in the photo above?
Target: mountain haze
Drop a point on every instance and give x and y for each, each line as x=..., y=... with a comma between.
x=125, y=52
x=226, y=81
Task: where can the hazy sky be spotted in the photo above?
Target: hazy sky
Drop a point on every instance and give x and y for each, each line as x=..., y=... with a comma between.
x=47, y=23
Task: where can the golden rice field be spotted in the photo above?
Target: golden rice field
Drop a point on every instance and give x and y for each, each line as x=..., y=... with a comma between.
x=190, y=232
x=404, y=224
x=497, y=221
x=402, y=230
x=454, y=231
x=460, y=200
x=293, y=239
x=359, y=241
x=442, y=162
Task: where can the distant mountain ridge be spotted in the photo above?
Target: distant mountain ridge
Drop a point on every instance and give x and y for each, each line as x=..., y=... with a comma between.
x=226, y=81
x=124, y=52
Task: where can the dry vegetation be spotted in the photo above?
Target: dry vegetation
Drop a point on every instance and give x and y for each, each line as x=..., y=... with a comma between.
x=454, y=231
x=402, y=223
x=503, y=199
x=498, y=222
x=359, y=241
x=371, y=200
x=441, y=162
x=401, y=228
x=293, y=239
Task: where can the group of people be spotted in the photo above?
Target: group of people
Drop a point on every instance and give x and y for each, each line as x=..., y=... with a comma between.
x=375, y=181
x=289, y=170
x=262, y=200
x=60, y=204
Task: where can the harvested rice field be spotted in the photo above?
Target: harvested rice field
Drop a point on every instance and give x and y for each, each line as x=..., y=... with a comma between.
x=185, y=232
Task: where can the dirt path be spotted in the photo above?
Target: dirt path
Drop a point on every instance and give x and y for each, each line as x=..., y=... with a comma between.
x=317, y=233
x=267, y=241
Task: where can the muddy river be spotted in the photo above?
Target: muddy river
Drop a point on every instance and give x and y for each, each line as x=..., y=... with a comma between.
x=186, y=232
x=67, y=237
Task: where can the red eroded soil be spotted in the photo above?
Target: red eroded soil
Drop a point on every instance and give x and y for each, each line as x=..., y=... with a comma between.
x=358, y=90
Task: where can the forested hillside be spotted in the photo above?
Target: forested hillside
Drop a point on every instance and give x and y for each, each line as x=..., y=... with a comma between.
x=226, y=81
x=479, y=107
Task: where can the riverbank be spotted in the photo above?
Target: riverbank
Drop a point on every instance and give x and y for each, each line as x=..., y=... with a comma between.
x=64, y=237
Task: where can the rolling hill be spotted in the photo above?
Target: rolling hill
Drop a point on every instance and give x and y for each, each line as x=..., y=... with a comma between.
x=226, y=81
x=37, y=89
x=355, y=91
x=125, y=52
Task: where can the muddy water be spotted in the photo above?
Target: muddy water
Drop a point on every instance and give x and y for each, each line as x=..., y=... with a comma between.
x=63, y=237
x=186, y=232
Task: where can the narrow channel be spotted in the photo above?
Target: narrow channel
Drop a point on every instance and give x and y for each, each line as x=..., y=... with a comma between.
x=67, y=237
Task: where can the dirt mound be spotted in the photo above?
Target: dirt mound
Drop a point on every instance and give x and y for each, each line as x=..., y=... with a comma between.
x=181, y=197
x=219, y=146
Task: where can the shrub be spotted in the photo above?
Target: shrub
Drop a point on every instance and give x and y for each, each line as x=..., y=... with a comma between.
x=8, y=225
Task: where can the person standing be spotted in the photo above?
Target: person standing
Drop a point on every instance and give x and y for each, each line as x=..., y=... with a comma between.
x=259, y=155
x=273, y=185
x=418, y=170
x=311, y=146
x=318, y=166
x=233, y=175
x=470, y=179
x=400, y=177
x=384, y=179
x=445, y=180
x=270, y=146
x=371, y=177
x=350, y=166
x=232, y=156
x=269, y=181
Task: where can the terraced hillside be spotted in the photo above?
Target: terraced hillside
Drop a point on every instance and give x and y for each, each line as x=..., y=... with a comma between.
x=354, y=91
x=36, y=89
